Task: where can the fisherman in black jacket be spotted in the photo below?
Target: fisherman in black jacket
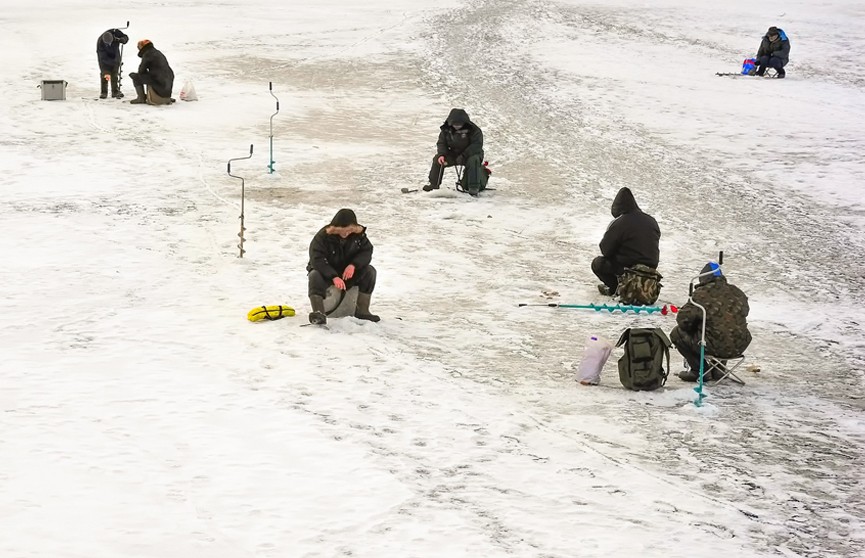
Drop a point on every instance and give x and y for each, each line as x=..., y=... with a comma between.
x=461, y=142
x=632, y=238
x=774, y=52
x=340, y=255
x=155, y=72
x=109, y=57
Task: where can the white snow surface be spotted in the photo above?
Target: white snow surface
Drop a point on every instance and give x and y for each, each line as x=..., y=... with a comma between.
x=142, y=415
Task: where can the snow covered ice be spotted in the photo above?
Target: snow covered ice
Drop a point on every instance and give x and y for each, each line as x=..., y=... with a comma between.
x=142, y=415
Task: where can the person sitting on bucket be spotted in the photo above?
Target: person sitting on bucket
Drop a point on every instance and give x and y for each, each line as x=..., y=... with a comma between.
x=108, y=56
x=461, y=142
x=727, y=332
x=631, y=239
x=155, y=72
x=340, y=255
x=774, y=52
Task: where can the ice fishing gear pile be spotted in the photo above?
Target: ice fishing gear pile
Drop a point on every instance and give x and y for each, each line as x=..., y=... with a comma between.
x=749, y=69
x=269, y=313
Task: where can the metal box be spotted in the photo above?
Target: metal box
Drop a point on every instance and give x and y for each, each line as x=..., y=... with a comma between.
x=53, y=90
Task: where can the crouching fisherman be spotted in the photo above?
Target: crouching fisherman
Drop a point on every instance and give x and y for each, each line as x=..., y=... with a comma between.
x=340, y=255
x=155, y=73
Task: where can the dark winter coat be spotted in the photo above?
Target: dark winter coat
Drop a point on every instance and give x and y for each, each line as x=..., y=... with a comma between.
x=465, y=142
x=727, y=310
x=109, y=55
x=330, y=255
x=155, y=65
x=779, y=48
x=633, y=236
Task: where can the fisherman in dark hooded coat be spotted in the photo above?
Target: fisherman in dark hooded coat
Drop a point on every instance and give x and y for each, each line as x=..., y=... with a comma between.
x=340, y=254
x=461, y=142
x=632, y=238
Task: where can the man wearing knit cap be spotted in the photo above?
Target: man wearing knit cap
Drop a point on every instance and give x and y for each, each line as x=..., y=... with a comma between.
x=774, y=52
x=109, y=57
x=154, y=72
x=727, y=332
x=340, y=255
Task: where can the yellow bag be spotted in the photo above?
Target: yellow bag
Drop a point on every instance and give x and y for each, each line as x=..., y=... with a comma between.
x=269, y=313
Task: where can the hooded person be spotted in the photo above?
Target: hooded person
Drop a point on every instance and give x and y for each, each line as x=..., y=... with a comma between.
x=632, y=238
x=727, y=334
x=109, y=56
x=154, y=72
x=774, y=52
x=461, y=142
x=340, y=254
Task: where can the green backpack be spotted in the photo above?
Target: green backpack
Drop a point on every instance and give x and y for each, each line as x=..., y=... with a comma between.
x=640, y=285
x=641, y=368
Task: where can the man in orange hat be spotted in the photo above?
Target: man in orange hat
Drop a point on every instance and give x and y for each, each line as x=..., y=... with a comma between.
x=154, y=72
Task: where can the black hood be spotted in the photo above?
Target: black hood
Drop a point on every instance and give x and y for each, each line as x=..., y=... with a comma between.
x=146, y=48
x=624, y=203
x=457, y=116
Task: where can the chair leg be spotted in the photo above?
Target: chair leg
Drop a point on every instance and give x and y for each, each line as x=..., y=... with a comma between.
x=729, y=372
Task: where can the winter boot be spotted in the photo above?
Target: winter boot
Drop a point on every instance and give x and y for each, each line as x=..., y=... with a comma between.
x=361, y=311
x=142, y=97
x=430, y=187
x=117, y=95
x=781, y=73
x=317, y=316
x=604, y=290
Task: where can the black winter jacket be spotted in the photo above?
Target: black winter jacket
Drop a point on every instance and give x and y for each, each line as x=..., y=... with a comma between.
x=727, y=310
x=330, y=255
x=155, y=65
x=465, y=142
x=633, y=236
x=109, y=55
x=778, y=49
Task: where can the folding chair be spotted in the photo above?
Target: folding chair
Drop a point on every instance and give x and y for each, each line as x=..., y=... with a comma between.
x=727, y=366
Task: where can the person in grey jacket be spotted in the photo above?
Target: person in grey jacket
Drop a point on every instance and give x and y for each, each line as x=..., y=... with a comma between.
x=109, y=57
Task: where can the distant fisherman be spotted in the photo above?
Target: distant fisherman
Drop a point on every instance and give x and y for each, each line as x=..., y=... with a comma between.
x=774, y=52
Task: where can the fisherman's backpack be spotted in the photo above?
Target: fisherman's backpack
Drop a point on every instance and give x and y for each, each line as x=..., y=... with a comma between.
x=639, y=285
x=641, y=368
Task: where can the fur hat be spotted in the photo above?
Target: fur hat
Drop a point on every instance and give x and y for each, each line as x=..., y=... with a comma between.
x=108, y=37
x=343, y=218
x=143, y=42
x=772, y=31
